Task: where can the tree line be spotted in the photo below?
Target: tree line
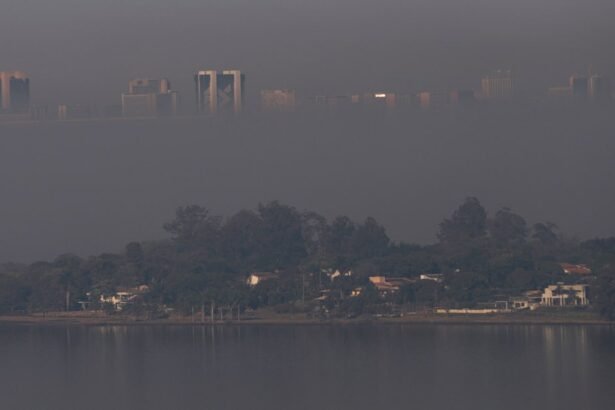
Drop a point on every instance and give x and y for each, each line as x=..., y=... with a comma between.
x=206, y=259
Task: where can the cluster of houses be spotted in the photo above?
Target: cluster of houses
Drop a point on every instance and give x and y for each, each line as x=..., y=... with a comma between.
x=557, y=295
x=119, y=299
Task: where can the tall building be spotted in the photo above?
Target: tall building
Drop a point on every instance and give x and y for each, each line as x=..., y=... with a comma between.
x=14, y=92
x=579, y=87
x=219, y=92
x=498, y=85
x=278, y=100
x=149, y=98
x=599, y=89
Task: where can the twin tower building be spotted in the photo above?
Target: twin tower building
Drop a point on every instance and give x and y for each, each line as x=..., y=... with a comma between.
x=217, y=92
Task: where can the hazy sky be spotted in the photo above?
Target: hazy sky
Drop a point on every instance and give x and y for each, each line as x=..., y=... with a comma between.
x=86, y=50
x=93, y=187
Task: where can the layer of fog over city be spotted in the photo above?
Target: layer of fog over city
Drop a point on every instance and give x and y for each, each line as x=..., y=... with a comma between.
x=91, y=187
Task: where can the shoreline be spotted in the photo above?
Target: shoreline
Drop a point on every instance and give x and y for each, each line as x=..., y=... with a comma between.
x=59, y=319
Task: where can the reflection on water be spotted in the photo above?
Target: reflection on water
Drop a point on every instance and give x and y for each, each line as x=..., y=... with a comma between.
x=294, y=367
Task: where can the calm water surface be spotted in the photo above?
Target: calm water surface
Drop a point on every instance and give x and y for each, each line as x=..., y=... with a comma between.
x=280, y=368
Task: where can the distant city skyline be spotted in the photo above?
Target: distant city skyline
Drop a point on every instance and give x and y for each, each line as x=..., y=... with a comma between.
x=224, y=91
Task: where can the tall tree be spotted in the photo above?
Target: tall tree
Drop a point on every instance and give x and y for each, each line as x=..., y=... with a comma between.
x=370, y=240
x=283, y=239
x=314, y=228
x=242, y=239
x=545, y=233
x=468, y=222
x=69, y=268
x=507, y=228
x=338, y=241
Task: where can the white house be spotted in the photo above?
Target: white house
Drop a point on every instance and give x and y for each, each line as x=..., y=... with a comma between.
x=124, y=296
x=389, y=285
x=565, y=295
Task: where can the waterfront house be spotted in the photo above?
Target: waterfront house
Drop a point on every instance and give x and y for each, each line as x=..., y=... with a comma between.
x=124, y=296
x=531, y=300
x=565, y=295
x=389, y=285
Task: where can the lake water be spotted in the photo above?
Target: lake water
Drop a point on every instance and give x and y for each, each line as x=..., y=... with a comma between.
x=308, y=367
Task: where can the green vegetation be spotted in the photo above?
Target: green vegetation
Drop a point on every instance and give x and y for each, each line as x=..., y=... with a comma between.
x=205, y=263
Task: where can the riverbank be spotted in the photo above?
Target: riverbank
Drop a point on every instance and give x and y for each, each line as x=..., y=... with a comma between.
x=545, y=317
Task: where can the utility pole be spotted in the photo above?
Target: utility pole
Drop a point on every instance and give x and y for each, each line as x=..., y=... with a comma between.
x=303, y=288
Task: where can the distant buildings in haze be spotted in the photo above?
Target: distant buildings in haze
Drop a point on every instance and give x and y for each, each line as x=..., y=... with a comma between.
x=14, y=92
x=223, y=92
x=498, y=85
x=75, y=112
x=594, y=88
x=578, y=87
x=149, y=98
x=599, y=89
x=278, y=100
x=384, y=99
x=219, y=91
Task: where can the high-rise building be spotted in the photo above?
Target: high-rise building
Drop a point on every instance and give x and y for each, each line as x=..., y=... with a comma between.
x=219, y=92
x=599, y=89
x=278, y=100
x=498, y=85
x=149, y=98
x=579, y=87
x=14, y=92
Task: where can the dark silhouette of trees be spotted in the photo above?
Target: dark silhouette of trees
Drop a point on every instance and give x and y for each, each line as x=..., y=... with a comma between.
x=468, y=222
x=545, y=233
x=508, y=229
x=204, y=264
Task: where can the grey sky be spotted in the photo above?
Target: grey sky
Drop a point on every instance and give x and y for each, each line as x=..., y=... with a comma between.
x=92, y=187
